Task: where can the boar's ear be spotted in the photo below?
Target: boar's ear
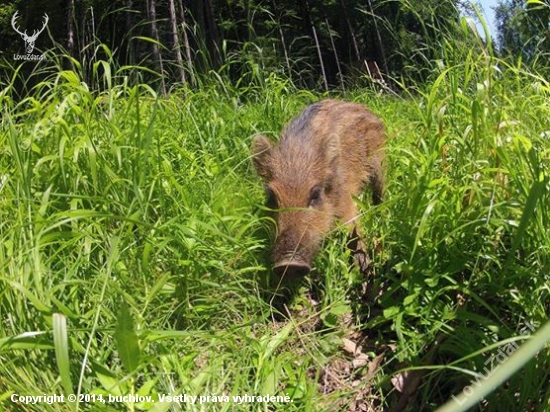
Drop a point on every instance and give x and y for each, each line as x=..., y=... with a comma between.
x=261, y=154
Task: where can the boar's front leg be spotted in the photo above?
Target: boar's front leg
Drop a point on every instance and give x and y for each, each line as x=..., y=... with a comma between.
x=376, y=179
x=355, y=243
x=358, y=251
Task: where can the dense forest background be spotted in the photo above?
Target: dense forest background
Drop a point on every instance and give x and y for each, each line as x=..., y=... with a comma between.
x=317, y=44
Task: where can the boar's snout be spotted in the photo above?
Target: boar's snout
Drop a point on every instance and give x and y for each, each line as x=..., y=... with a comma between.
x=293, y=253
x=291, y=269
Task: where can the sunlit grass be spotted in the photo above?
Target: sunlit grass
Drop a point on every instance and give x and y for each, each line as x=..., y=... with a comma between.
x=132, y=244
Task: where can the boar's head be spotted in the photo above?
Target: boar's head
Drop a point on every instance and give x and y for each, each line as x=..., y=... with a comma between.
x=302, y=183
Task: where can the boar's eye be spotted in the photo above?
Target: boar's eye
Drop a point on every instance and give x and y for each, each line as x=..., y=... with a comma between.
x=315, y=196
x=272, y=202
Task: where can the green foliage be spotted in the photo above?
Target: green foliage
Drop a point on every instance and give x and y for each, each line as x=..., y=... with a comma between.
x=524, y=30
x=132, y=243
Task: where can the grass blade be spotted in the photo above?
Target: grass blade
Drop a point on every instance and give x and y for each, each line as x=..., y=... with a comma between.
x=61, y=344
x=126, y=339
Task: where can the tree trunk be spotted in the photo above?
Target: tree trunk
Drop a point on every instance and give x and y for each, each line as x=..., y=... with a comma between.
x=129, y=28
x=213, y=35
x=283, y=43
x=70, y=33
x=379, y=40
x=318, y=46
x=176, y=41
x=184, y=29
x=340, y=75
x=157, y=57
x=351, y=32
x=70, y=27
x=206, y=39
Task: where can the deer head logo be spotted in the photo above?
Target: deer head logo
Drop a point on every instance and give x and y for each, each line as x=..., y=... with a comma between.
x=29, y=40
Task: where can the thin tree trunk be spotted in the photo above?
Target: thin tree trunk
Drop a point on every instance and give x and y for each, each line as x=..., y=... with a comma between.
x=129, y=27
x=335, y=55
x=86, y=52
x=283, y=43
x=320, y=56
x=318, y=46
x=287, y=60
x=200, y=39
x=213, y=34
x=152, y=14
x=177, y=44
x=70, y=34
x=351, y=32
x=379, y=40
x=184, y=29
x=70, y=27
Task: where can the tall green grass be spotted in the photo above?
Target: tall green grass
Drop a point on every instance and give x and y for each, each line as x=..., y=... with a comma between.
x=133, y=244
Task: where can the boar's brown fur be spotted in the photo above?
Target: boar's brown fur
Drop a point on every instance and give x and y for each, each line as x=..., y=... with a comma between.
x=325, y=156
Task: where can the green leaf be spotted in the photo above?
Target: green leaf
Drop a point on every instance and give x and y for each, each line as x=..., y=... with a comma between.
x=277, y=340
x=25, y=341
x=270, y=381
x=391, y=312
x=108, y=379
x=126, y=340
x=38, y=304
x=61, y=344
x=535, y=195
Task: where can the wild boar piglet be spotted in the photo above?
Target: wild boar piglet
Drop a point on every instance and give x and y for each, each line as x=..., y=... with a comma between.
x=326, y=155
